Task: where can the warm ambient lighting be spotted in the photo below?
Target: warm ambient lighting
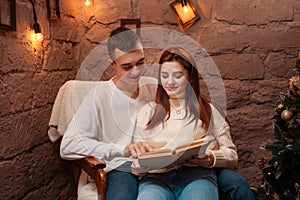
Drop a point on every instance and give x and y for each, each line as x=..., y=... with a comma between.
x=185, y=12
x=36, y=34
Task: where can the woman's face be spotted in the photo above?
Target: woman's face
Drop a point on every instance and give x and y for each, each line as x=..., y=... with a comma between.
x=174, y=79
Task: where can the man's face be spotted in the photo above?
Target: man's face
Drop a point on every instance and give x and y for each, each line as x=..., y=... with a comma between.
x=129, y=66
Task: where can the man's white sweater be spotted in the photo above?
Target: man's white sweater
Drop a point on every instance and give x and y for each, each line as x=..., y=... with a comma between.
x=104, y=123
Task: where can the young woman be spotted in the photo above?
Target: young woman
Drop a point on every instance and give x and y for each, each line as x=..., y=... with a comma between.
x=179, y=115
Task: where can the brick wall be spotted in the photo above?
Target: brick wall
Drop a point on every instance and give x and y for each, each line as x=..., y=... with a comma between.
x=253, y=43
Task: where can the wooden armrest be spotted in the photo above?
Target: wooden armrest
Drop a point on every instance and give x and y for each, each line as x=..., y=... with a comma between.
x=94, y=168
x=95, y=163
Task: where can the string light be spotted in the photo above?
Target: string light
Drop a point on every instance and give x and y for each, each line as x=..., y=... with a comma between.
x=87, y=2
x=36, y=34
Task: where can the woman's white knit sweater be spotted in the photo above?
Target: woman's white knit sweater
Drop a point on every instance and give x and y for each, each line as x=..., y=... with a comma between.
x=180, y=129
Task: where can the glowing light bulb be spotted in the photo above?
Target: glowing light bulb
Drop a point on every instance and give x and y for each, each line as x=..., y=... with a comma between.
x=38, y=37
x=87, y=2
x=185, y=9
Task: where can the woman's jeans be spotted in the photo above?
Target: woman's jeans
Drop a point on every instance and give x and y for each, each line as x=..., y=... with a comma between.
x=182, y=184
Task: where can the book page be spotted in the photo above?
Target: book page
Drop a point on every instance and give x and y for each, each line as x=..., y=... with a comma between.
x=192, y=145
x=166, y=157
x=183, y=156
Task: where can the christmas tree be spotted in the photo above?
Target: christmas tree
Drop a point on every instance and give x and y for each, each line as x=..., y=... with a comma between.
x=281, y=172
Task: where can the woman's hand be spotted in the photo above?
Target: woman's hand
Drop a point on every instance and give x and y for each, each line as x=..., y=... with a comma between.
x=137, y=148
x=206, y=161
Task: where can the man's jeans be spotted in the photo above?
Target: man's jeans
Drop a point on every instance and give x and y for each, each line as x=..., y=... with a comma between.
x=233, y=186
x=121, y=186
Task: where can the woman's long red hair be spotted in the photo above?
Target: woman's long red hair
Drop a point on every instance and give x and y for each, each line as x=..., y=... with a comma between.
x=196, y=104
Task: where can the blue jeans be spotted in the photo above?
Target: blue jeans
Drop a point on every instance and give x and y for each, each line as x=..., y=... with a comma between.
x=185, y=183
x=121, y=185
x=233, y=186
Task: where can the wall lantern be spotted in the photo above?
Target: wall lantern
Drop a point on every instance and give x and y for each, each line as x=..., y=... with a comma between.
x=185, y=12
x=36, y=34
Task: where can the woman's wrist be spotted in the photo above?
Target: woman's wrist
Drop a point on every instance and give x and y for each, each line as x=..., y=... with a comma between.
x=212, y=159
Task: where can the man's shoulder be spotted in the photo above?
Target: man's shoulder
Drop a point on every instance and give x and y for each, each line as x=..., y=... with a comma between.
x=102, y=89
x=103, y=85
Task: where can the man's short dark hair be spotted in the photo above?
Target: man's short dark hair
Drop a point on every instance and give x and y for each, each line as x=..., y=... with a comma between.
x=122, y=38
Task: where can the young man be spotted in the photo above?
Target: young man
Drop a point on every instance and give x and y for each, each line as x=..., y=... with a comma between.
x=103, y=125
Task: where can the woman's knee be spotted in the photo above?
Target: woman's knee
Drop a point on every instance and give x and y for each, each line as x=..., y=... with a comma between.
x=198, y=190
x=149, y=191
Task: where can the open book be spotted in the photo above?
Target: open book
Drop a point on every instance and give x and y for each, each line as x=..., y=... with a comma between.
x=162, y=158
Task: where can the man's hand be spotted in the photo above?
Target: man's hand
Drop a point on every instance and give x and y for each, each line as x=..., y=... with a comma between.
x=206, y=161
x=137, y=148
